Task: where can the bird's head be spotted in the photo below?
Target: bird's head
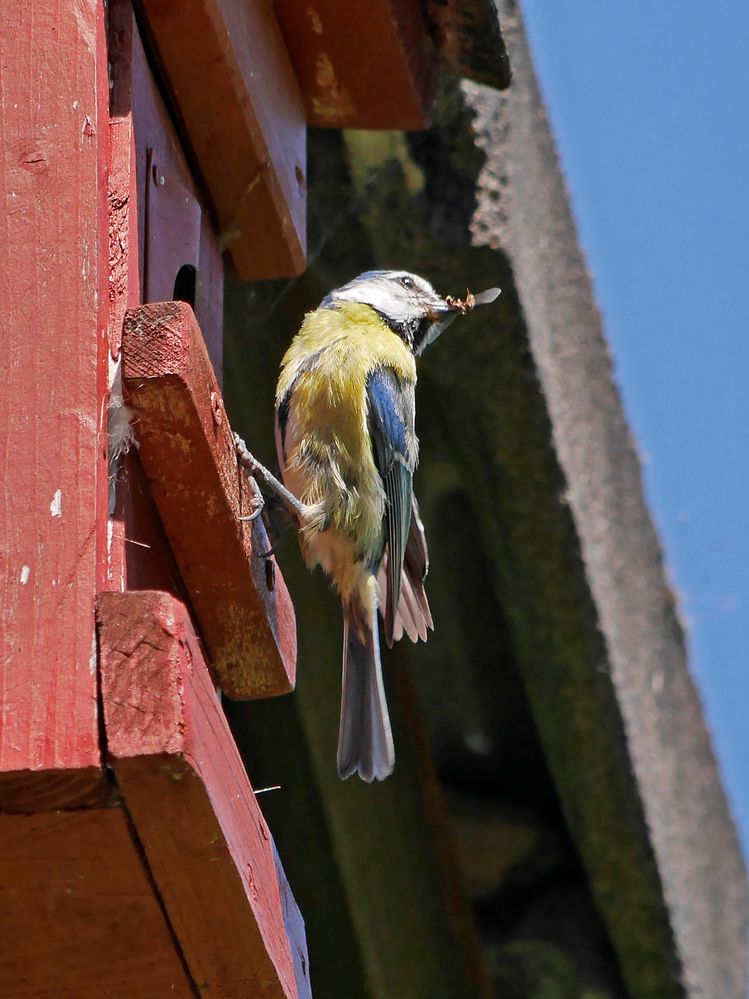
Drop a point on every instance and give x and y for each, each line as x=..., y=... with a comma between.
x=405, y=302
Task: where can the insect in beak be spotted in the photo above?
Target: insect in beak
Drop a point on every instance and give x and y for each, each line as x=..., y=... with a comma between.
x=442, y=312
x=464, y=305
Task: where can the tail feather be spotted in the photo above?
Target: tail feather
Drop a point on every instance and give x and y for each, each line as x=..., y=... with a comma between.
x=413, y=612
x=413, y=616
x=365, y=742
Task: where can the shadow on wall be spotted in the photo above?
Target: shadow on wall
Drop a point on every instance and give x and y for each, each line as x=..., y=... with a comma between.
x=367, y=863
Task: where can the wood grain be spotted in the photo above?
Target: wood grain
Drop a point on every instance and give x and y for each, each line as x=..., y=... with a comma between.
x=365, y=64
x=47, y=790
x=184, y=784
x=53, y=303
x=187, y=451
x=79, y=917
x=232, y=84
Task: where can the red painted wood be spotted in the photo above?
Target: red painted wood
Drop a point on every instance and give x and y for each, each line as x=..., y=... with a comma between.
x=188, y=454
x=209, y=308
x=81, y=914
x=204, y=836
x=138, y=552
x=136, y=100
x=80, y=918
x=173, y=222
x=365, y=64
x=124, y=282
x=53, y=302
x=229, y=73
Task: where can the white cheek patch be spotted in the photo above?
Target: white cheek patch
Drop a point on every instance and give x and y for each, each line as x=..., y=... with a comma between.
x=388, y=298
x=390, y=303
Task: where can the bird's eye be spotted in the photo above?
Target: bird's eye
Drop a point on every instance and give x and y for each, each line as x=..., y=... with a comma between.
x=407, y=282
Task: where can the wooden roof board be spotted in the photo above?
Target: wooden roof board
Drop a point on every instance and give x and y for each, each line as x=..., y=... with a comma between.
x=80, y=918
x=361, y=64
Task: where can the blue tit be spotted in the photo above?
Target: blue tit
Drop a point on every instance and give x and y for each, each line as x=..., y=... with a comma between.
x=347, y=450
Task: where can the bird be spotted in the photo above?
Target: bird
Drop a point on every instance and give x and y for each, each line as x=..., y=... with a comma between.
x=347, y=450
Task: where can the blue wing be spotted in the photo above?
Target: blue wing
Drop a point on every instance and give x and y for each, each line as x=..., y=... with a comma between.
x=391, y=422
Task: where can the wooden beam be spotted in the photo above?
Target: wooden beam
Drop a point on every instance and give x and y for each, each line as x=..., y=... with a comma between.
x=80, y=917
x=366, y=64
x=186, y=448
x=183, y=782
x=225, y=64
x=53, y=305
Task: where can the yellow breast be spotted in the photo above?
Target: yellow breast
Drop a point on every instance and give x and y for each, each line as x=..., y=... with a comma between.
x=346, y=343
x=328, y=450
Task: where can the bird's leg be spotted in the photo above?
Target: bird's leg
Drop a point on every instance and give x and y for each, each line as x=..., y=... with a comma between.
x=298, y=511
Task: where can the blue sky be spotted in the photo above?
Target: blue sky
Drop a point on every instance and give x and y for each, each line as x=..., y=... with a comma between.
x=650, y=105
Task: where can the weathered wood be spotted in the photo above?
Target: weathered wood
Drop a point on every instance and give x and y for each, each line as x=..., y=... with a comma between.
x=205, y=838
x=225, y=64
x=80, y=918
x=186, y=448
x=53, y=299
x=361, y=65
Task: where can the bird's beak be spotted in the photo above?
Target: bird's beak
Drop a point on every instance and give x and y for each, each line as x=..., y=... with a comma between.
x=442, y=311
x=437, y=308
x=440, y=314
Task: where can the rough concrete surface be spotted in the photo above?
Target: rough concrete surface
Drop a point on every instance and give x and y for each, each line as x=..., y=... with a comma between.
x=685, y=811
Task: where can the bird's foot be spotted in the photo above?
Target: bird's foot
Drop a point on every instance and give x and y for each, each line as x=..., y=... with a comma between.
x=304, y=516
x=257, y=503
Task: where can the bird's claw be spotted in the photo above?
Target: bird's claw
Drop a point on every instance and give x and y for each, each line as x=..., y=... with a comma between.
x=297, y=510
x=248, y=518
x=257, y=504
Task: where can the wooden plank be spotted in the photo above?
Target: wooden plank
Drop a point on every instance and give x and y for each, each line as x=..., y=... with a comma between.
x=53, y=298
x=225, y=64
x=186, y=448
x=79, y=917
x=184, y=784
x=365, y=64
